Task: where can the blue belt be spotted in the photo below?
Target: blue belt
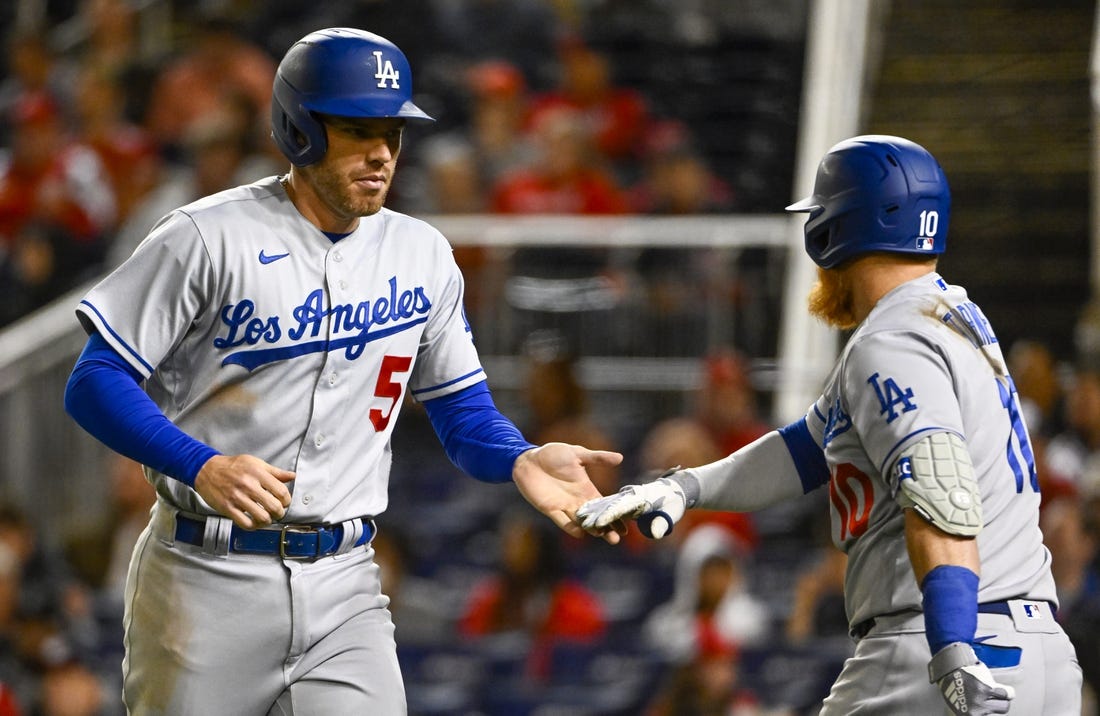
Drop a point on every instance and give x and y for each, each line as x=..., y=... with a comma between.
x=286, y=541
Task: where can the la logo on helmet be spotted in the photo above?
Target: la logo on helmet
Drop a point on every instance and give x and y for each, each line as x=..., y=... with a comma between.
x=386, y=71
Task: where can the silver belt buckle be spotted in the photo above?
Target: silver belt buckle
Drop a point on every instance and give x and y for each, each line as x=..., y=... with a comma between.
x=300, y=529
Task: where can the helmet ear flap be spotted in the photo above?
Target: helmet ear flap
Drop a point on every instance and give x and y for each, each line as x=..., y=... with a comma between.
x=299, y=135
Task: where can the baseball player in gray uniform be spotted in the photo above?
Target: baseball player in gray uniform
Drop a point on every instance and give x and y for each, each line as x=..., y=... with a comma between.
x=919, y=438
x=277, y=328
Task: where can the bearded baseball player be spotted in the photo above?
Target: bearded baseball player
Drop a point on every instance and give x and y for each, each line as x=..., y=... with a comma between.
x=919, y=438
x=277, y=328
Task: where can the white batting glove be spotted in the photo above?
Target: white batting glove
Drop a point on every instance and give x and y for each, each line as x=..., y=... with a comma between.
x=967, y=685
x=657, y=506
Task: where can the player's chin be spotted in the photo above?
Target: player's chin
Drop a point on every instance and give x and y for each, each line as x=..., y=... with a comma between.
x=369, y=206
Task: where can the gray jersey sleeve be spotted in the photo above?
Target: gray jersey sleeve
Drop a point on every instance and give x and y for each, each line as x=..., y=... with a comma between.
x=147, y=304
x=899, y=389
x=447, y=360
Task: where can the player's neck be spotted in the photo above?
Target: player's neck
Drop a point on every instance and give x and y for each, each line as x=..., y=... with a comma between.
x=875, y=275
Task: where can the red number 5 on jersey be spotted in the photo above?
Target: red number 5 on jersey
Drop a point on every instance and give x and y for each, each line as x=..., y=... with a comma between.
x=387, y=387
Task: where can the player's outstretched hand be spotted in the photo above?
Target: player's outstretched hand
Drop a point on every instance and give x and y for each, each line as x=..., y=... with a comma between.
x=553, y=478
x=245, y=489
x=657, y=506
x=967, y=685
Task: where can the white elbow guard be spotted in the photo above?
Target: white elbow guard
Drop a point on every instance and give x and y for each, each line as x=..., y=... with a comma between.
x=936, y=479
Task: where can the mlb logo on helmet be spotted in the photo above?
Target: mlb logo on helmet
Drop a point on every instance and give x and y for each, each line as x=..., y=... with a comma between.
x=926, y=243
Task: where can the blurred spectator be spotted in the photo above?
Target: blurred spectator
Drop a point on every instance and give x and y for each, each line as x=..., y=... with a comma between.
x=100, y=554
x=56, y=207
x=1071, y=530
x=675, y=178
x=111, y=40
x=566, y=176
x=8, y=704
x=44, y=621
x=531, y=596
x=616, y=118
x=129, y=154
x=34, y=69
x=490, y=144
x=215, y=157
x=414, y=601
x=17, y=681
x=707, y=685
x=818, y=605
x=1038, y=383
x=558, y=404
x=498, y=92
x=711, y=603
x=727, y=402
x=1068, y=450
x=218, y=68
x=453, y=184
x=71, y=690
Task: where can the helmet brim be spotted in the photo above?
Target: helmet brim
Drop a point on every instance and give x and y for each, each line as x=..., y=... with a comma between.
x=809, y=204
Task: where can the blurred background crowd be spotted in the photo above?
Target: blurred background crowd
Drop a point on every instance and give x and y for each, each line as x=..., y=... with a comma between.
x=597, y=107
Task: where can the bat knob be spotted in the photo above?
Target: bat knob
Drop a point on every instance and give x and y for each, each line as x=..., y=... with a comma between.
x=655, y=525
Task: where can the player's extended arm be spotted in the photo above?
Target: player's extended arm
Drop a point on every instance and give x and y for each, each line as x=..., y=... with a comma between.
x=104, y=396
x=487, y=445
x=782, y=464
x=942, y=519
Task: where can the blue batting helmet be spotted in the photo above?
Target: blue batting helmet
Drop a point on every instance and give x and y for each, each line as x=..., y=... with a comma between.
x=876, y=193
x=339, y=71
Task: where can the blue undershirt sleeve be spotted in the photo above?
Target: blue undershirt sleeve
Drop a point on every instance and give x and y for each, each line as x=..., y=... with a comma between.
x=104, y=396
x=477, y=438
x=808, y=457
x=950, y=606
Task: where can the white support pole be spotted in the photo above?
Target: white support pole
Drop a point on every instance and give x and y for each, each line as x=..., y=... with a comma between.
x=832, y=99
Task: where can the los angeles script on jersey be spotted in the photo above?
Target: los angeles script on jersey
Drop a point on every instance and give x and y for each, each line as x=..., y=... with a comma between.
x=351, y=326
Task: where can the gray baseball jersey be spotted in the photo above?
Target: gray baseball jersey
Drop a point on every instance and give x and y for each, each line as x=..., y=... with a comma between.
x=925, y=361
x=258, y=334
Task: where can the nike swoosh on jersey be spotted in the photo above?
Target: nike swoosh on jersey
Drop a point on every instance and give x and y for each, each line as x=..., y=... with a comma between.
x=265, y=259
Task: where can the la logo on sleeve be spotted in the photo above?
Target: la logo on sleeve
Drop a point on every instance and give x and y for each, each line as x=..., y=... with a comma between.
x=891, y=397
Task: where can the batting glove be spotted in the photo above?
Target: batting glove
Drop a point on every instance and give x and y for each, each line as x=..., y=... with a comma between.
x=656, y=506
x=966, y=683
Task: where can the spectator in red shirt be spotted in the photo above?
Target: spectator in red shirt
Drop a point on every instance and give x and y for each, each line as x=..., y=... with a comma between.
x=567, y=176
x=220, y=67
x=8, y=705
x=56, y=207
x=129, y=153
x=531, y=596
x=617, y=117
x=52, y=178
x=728, y=403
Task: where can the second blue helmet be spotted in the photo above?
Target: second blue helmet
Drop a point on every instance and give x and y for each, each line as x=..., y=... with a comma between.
x=876, y=193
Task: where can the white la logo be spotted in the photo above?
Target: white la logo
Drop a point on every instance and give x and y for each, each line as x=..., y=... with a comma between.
x=385, y=71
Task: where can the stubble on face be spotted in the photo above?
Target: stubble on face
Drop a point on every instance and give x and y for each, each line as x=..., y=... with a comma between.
x=831, y=299
x=354, y=177
x=337, y=186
